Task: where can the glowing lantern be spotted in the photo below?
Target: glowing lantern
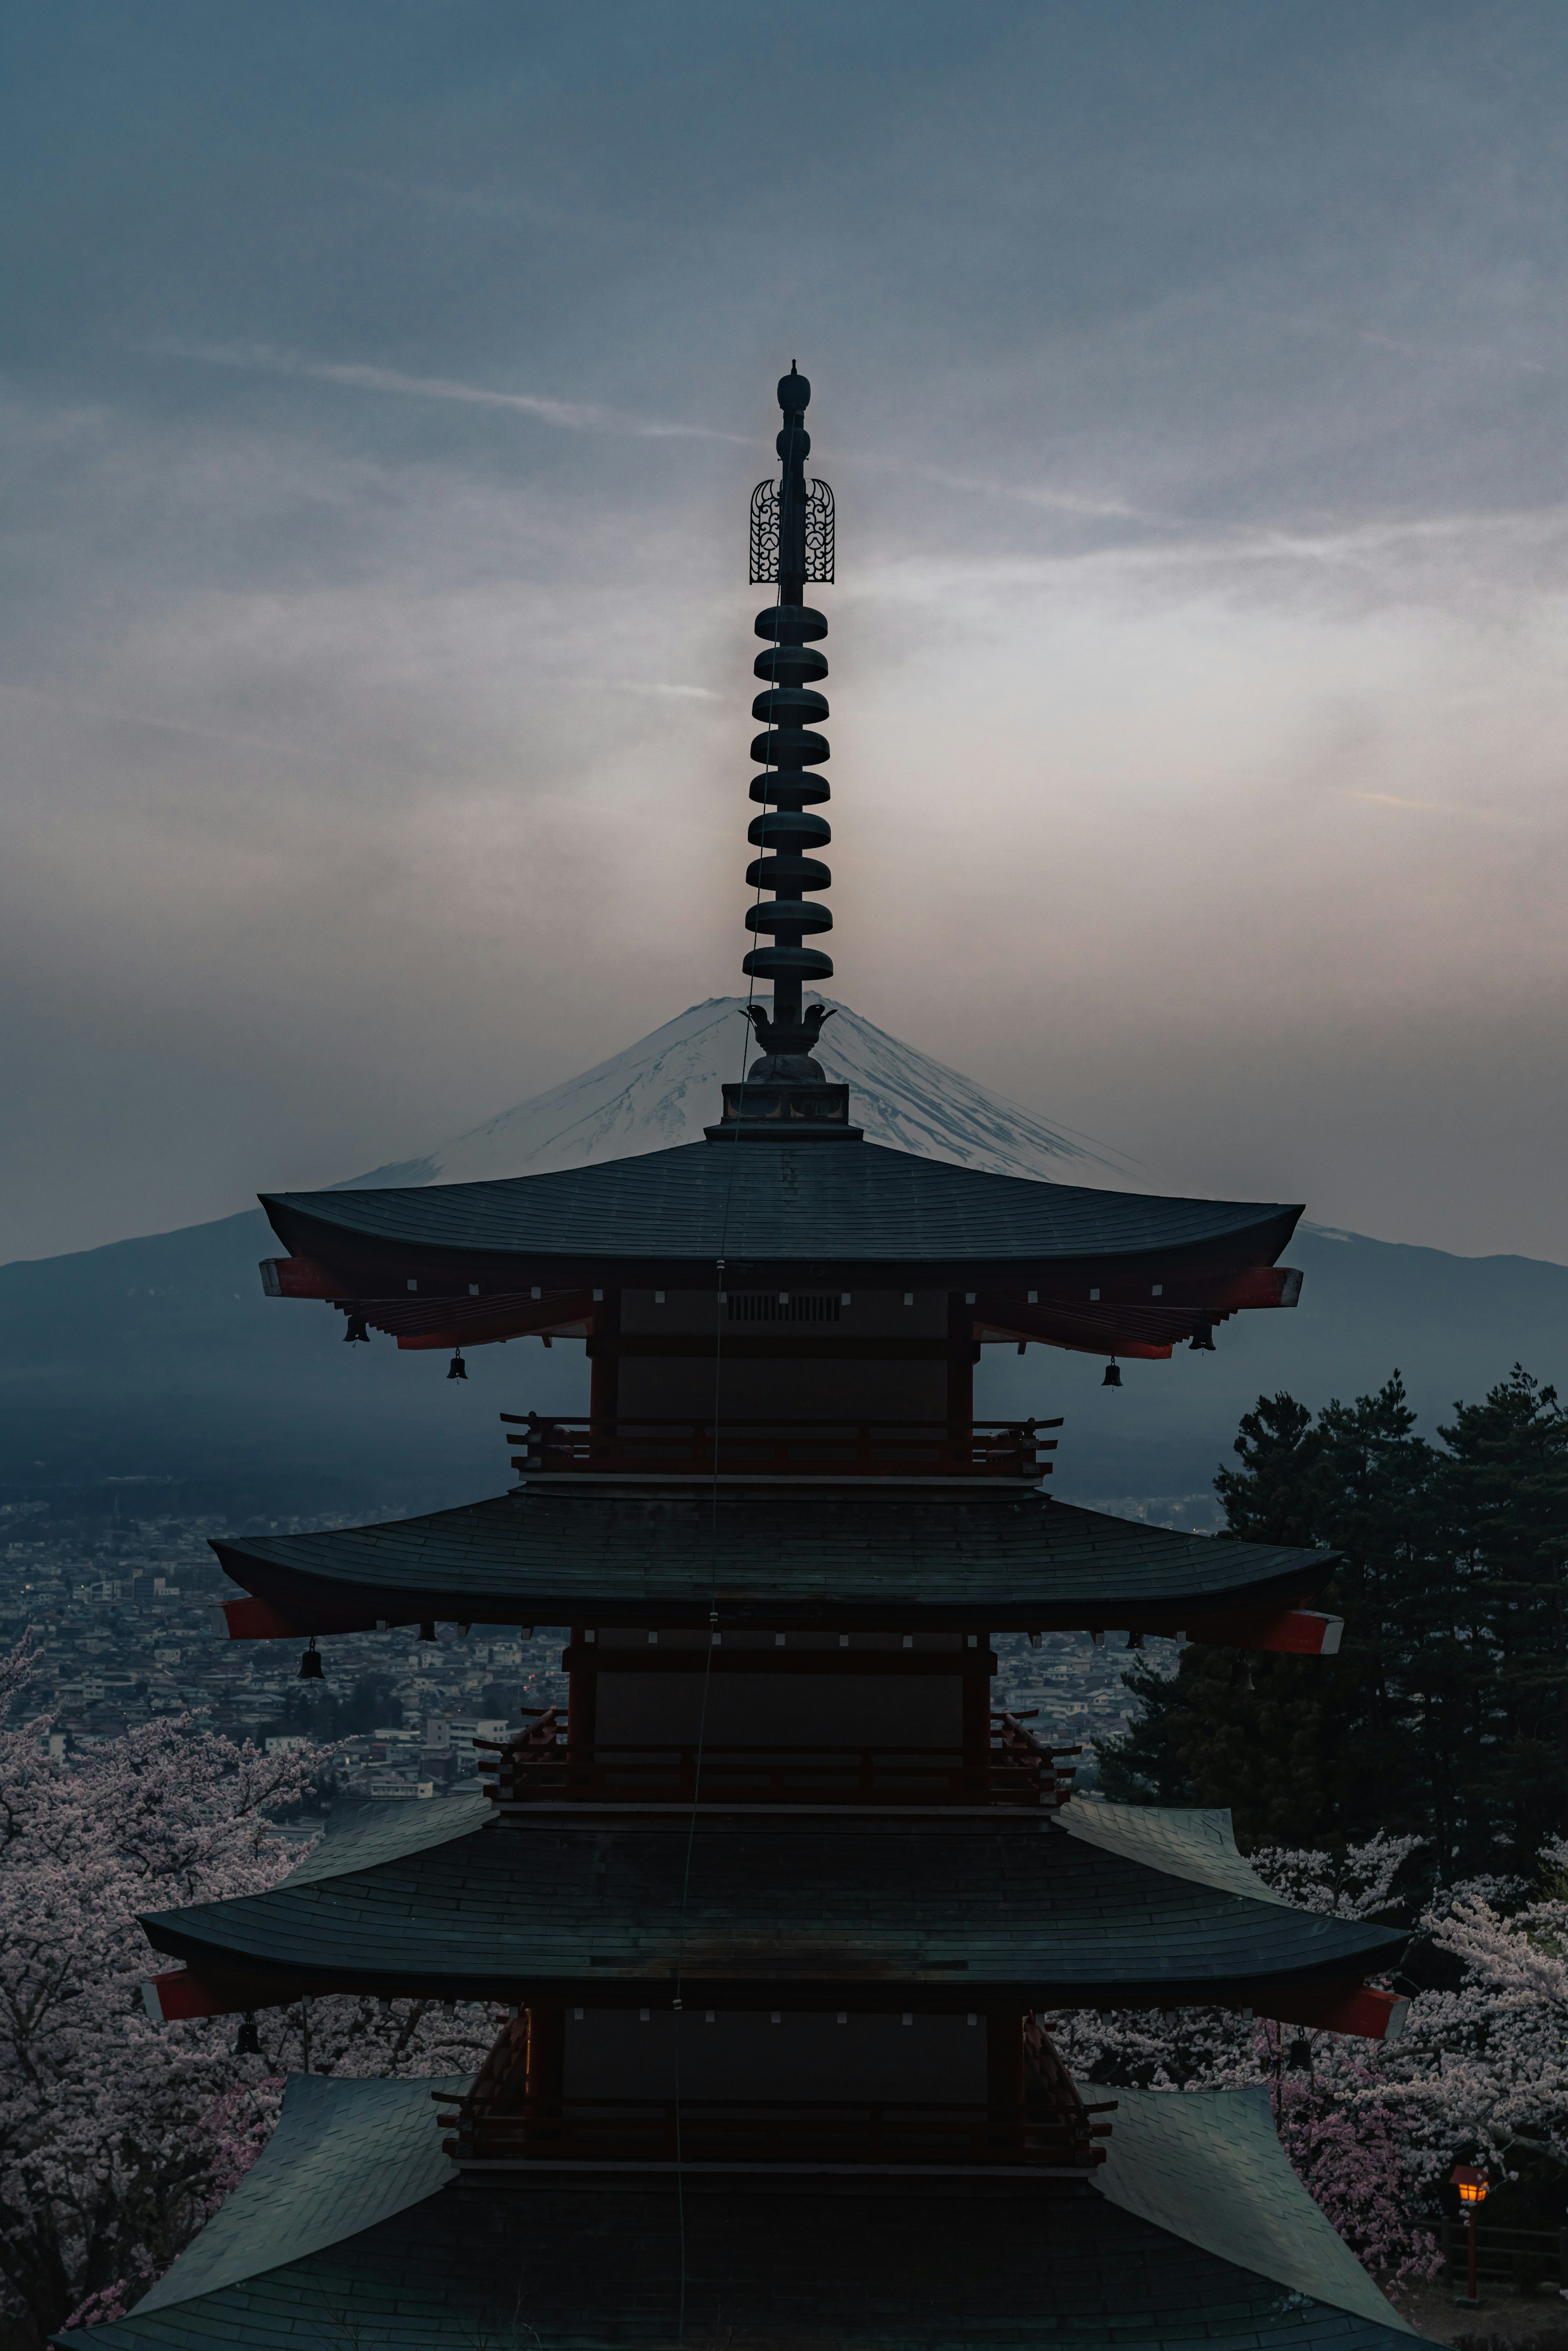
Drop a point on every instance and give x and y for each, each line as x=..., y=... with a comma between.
x=1473, y=2191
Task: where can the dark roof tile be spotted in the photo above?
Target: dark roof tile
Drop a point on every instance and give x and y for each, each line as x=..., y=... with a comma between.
x=1244, y=2260
x=778, y=1900
x=545, y=1556
x=776, y=1202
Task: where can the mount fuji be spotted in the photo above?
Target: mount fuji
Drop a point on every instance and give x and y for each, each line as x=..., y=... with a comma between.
x=155, y=1371
x=665, y=1089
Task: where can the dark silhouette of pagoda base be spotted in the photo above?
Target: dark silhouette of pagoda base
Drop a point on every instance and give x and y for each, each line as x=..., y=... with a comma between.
x=777, y=1916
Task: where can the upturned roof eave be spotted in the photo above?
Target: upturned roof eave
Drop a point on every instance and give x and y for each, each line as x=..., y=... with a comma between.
x=854, y=1208
x=327, y=1603
x=548, y=1556
x=589, y=1904
x=485, y=1974
x=360, y=1266
x=1190, y=2229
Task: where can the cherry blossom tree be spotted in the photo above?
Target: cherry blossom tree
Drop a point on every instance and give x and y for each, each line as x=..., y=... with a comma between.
x=119, y=2136
x=1481, y=2071
x=1348, y=2142
x=1484, y=2068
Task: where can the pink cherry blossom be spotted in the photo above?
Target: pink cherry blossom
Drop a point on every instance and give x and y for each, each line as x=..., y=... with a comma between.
x=1480, y=2074
x=119, y=2136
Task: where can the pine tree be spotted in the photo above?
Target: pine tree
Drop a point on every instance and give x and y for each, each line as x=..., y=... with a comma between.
x=1503, y=1488
x=1445, y=1715
x=1305, y=1752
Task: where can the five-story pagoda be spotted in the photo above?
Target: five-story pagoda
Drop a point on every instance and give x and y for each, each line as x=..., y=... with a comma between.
x=777, y=1914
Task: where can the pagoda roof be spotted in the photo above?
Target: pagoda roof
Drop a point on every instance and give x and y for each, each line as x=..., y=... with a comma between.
x=757, y=1907
x=544, y=1555
x=352, y=2221
x=858, y=1208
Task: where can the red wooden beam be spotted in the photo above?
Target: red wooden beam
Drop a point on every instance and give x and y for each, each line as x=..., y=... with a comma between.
x=1372, y=2015
x=459, y=1321
x=1081, y=1333
x=417, y=1312
x=487, y=1331
x=1179, y=1281
x=258, y=1620
x=1214, y=1291
x=1295, y=1632
x=176, y=1994
x=297, y=1277
x=439, y=1309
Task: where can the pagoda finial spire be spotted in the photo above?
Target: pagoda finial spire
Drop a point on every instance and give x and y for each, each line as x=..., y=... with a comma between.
x=791, y=548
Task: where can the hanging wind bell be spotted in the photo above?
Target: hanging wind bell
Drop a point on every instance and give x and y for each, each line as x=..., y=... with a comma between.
x=356, y=1331
x=1202, y=1342
x=1113, y=1378
x=457, y=1369
x=311, y=1670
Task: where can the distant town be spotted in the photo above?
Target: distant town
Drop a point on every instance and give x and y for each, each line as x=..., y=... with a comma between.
x=127, y=1626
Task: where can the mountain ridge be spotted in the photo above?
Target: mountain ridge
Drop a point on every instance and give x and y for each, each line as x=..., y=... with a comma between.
x=665, y=1089
x=155, y=1364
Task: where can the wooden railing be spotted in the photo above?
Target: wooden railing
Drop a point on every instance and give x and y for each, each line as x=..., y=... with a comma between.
x=1523, y=2259
x=543, y=1767
x=752, y=2130
x=552, y=1446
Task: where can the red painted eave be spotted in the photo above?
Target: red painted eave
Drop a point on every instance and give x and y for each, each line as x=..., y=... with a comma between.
x=324, y=1260
x=1141, y=1315
x=176, y=1994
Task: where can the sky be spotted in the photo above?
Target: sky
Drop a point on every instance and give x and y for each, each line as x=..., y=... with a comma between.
x=381, y=390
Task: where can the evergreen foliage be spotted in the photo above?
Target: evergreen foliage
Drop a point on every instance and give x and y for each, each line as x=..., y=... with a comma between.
x=1445, y=1715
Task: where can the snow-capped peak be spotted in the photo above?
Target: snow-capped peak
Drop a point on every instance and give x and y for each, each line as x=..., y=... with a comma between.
x=665, y=1089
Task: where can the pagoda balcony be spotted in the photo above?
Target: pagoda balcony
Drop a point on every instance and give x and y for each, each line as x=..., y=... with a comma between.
x=705, y=1448
x=768, y=2132
x=545, y=1767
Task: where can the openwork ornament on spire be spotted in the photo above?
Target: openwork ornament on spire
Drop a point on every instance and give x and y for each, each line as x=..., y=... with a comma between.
x=791, y=548
x=792, y=516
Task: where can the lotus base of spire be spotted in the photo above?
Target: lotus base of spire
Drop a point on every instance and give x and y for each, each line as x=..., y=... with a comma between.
x=781, y=1109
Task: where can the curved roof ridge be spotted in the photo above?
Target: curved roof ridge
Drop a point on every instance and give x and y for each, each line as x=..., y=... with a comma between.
x=695, y=1155
x=1204, y=2167
x=346, y=2154
x=1180, y=1843
x=367, y=1834
x=856, y=1201
x=1207, y=2166
x=794, y=1900
x=1011, y=1563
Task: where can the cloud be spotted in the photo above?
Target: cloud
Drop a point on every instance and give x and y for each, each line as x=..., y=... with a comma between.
x=1084, y=503
x=570, y=415
x=644, y=685
x=75, y=707
x=1437, y=808
x=1426, y=353
x=1508, y=561
x=1198, y=694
